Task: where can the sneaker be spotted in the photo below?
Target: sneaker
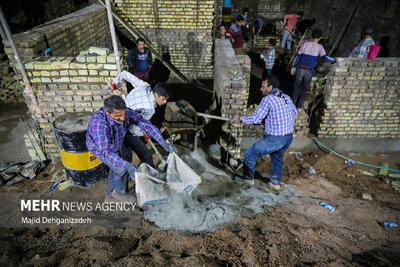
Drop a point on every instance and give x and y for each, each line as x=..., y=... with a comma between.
x=275, y=186
x=250, y=182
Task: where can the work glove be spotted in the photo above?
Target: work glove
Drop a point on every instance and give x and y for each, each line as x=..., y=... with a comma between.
x=131, y=169
x=293, y=71
x=170, y=147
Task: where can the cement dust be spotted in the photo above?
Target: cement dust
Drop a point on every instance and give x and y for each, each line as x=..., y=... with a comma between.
x=217, y=200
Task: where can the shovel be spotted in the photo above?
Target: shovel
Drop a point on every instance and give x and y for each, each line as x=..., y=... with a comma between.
x=162, y=164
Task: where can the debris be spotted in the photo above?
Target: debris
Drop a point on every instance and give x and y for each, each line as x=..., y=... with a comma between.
x=326, y=205
x=64, y=185
x=366, y=196
x=12, y=173
x=350, y=175
x=53, y=187
x=349, y=162
x=396, y=185
x=389, y=224
x=311, y=170
x=235, y=79
x=366, y=173
x=298, y=155
x=384, y=171
x=394, y=175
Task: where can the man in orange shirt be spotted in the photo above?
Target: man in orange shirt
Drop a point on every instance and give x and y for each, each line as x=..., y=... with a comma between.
x=290, y=21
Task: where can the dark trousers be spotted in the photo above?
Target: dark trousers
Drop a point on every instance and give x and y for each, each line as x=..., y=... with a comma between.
x=139, y=147
x=118, y=177
x=301, y=84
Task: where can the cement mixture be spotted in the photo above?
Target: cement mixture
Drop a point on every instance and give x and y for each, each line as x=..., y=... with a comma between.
x=72, y=122
x=217, y=200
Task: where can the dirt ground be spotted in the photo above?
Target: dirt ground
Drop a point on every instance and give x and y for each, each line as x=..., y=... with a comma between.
x=301, y=233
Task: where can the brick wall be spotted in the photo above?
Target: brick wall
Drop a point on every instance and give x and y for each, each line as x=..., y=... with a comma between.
x=66, y=36
x=68, y=84
x=362, y=99
x=233, y=96
x=182, y=28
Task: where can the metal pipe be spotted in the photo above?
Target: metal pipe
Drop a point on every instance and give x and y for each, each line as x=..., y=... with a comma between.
x=212, y=117
x=136, y=33
x=113, y=36
x=10, y=39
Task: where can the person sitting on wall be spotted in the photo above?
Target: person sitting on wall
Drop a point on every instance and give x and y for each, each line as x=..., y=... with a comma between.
x=236, y=33
x=304, y=65
x=144, y=101
x=104, y=139
x=140, y=60
x=290, y=22
x=362, y=49
x=279, y=112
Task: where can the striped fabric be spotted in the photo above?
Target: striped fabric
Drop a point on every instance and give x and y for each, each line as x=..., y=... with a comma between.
x=279, y=112
x=269, y=58
x=308, y=55
x=104, y=137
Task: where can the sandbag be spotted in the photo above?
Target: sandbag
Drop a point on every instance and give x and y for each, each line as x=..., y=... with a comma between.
x=180, y=177
x=150, y=186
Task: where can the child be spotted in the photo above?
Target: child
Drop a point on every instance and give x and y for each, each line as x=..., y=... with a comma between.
x=269, y=56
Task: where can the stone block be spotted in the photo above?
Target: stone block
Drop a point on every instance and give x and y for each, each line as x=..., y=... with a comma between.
x=61, y=80
x=99, y=50
x=92, y=66
x=93, y=72
x=101, y=59
x=78, y=79
x=75, y=65
x=83, y=72
x=110, y=66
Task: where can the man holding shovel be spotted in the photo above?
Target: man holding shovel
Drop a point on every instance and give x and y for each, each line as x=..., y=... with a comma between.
x=279, y=112
x=104, y=139
x=143, y=100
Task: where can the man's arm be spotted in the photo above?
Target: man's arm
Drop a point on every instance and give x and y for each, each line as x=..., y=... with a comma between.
x=259, y=114
x=130, y=59
x=129, y=77
x=100, y=136
x=325, y=57
x=146, y=126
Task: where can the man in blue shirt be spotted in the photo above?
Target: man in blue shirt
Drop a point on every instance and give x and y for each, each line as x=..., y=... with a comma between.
x=140, y=60
x=279, y=112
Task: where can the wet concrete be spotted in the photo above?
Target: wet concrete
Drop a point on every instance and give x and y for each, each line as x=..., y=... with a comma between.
x=12, y=146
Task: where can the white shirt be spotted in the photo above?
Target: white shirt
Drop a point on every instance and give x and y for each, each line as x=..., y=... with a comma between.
x=140, y=99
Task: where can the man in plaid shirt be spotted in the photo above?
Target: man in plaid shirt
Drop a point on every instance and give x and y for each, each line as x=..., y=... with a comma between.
x=279, y=112
x=104, y=139
x=143, y=100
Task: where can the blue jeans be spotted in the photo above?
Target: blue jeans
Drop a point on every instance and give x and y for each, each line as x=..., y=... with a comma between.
x=118, y=177
x=275, y=146
x=286, y=38
x=301, y=84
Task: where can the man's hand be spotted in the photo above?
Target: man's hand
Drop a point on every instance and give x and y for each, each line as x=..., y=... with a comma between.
x=131, y=169
x=293, y=71
x=236, y=120
x=170, y=147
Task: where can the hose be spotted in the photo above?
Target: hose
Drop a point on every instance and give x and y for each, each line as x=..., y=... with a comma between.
x=344, y=157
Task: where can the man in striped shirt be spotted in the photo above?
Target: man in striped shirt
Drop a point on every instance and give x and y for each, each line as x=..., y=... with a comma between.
x=279, y=112
x=304, y=65
x=104, y=139
x=144, y=101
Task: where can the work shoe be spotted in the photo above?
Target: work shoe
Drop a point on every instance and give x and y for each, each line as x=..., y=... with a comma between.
x=248, y=181
x=116, y=197
x=275, y=186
